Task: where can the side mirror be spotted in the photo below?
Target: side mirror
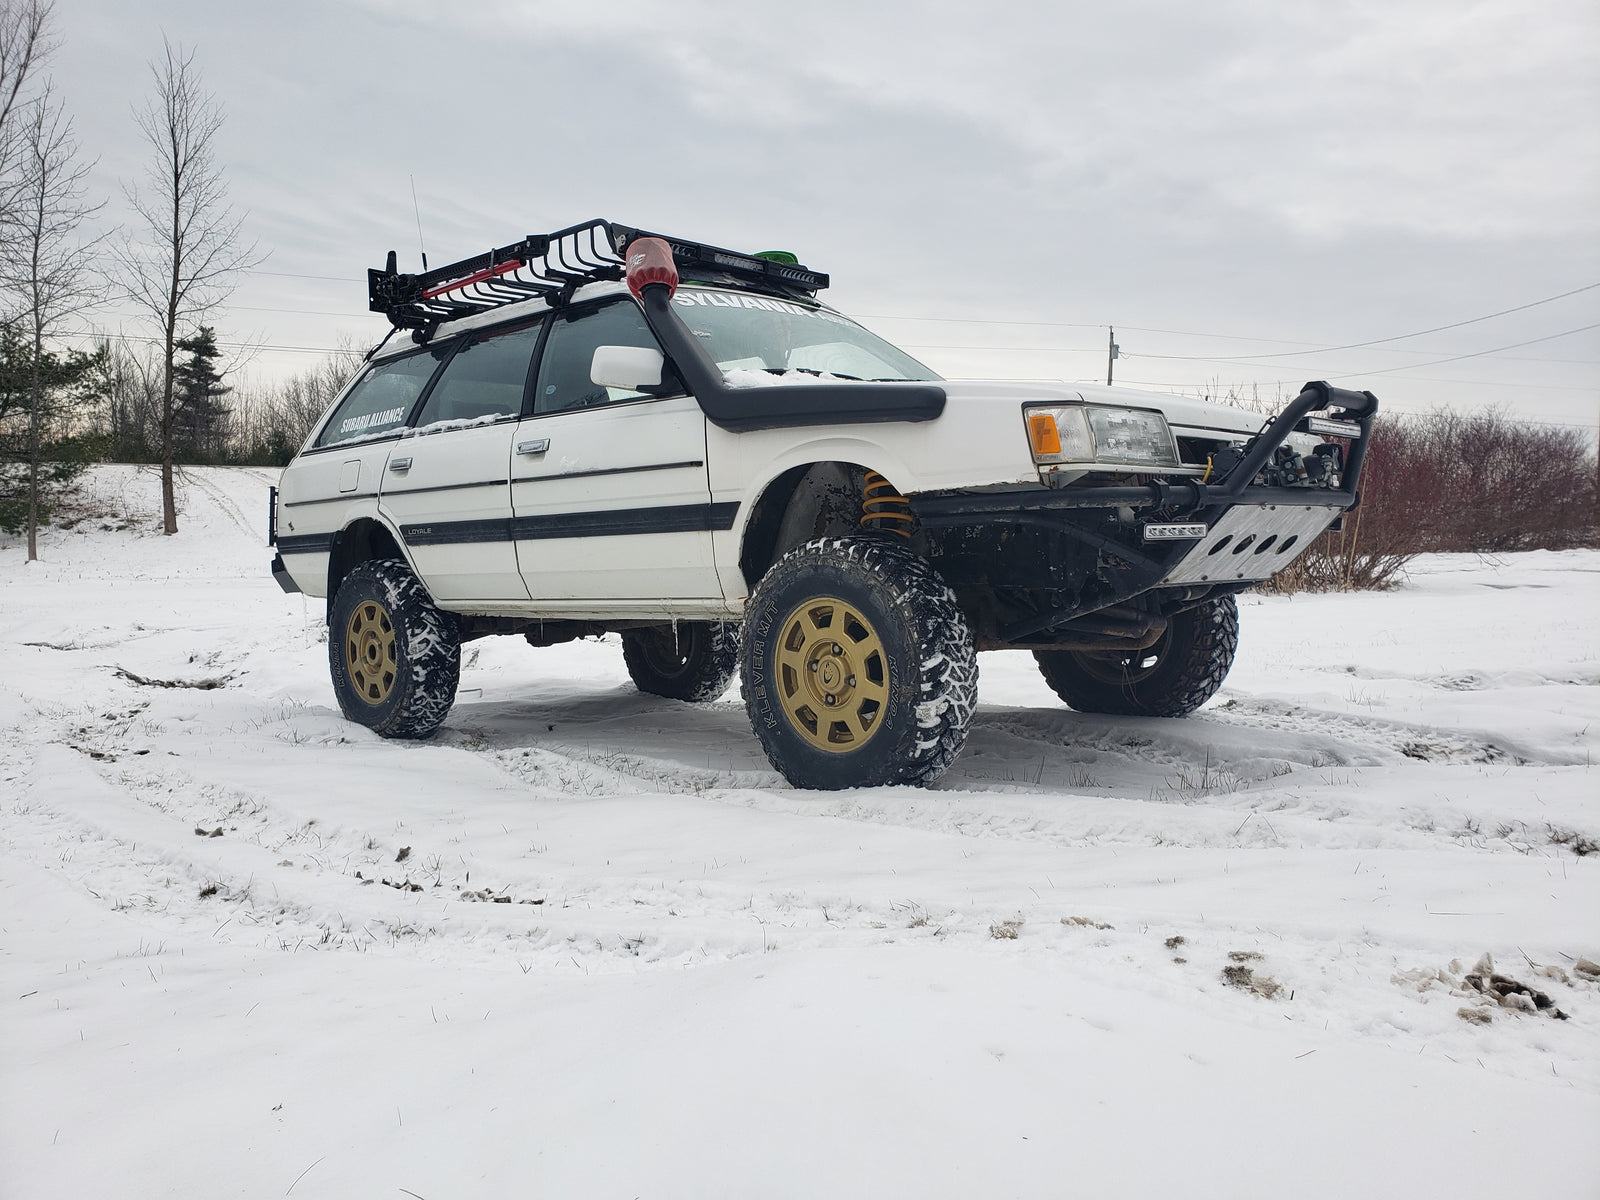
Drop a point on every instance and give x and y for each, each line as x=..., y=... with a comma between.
x=628, y=367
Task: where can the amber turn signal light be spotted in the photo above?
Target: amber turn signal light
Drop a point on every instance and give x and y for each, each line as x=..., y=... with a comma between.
x=1042, y=433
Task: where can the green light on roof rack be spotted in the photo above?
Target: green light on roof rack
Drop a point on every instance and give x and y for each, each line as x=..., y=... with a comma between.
x=779, y=256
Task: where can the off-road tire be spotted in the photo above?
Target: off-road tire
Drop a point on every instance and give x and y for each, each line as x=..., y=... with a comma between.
x=693, y=661
x=395, y=659
x=902, y=645
x=1189, y=663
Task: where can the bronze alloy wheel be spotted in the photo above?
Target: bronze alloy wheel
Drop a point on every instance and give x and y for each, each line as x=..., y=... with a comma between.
x=858, y=665
x=393, y=657
x=832, y=675
x=369, y=652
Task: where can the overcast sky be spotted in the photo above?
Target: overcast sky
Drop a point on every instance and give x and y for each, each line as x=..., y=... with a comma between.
x=1238, y=187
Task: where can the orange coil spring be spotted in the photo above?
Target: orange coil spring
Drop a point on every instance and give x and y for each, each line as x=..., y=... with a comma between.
x=883, y=508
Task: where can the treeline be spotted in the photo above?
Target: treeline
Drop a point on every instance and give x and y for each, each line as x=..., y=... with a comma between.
x=106, y=406
x=172, y=263
x=214, y=424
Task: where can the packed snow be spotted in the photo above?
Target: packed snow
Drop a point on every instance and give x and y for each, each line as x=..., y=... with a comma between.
x=587, y=943
x=749, y=377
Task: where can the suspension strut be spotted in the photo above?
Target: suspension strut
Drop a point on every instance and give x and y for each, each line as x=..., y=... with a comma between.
x=883, y=508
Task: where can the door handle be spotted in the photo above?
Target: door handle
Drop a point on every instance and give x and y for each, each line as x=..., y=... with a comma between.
x=537, y=446
x=400, y=464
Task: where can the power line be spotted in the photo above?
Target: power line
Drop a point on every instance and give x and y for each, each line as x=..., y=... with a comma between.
x=98, y=336
x=1543, y=387
x=1391, y=411
x=1575, y=362
x=298, y=312
x=1008, y=349
x=1399, y=337
x=1235, y=360
x=294, y=275
x=993, y=321
x=312, y=312
x=1480, y=353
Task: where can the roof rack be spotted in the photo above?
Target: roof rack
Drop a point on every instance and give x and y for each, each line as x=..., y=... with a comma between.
x=553, y=266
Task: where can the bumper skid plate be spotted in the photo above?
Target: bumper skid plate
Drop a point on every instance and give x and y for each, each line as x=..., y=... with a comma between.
x=1252, y=542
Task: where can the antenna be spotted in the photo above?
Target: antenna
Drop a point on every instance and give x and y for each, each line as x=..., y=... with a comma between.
x=416, y=209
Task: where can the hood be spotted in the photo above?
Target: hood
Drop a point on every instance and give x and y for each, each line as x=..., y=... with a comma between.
x=1183, y=414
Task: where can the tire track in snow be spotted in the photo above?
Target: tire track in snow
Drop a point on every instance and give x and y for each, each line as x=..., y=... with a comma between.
x=224, y=502
x=134, y=843
x=1402, y=738
x=1301, y=736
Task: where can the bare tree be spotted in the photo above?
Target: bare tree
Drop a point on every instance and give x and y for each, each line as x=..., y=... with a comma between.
x=183, y=259
x=49, y=262
x=26, y=43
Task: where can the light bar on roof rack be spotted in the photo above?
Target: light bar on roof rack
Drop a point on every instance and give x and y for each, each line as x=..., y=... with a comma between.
x=553, y=266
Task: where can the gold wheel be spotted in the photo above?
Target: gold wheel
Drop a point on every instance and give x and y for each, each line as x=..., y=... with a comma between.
x=832, y=675
x=369, y=652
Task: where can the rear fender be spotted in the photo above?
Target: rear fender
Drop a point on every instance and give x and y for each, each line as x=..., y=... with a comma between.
x=361, y=540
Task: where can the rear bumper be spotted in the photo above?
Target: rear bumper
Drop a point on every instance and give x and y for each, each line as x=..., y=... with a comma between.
x=279, y=571
x=281, y=574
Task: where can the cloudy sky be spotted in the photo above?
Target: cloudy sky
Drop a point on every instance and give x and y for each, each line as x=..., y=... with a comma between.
x=1244, y=189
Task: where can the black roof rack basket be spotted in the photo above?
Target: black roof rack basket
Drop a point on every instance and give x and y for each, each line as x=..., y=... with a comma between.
x=553, y=266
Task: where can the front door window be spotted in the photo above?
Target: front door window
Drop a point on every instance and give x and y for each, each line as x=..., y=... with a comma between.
x=564, y=380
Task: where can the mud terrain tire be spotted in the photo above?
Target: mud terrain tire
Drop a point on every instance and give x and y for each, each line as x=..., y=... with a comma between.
x=858, y=666
x=395, y=659
x=1170, y=679
x=689, y=660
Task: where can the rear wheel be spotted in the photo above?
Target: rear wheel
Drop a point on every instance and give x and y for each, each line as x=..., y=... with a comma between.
x=394, y=658
x=858, y=666
x=1169, y=679
x=688, y=660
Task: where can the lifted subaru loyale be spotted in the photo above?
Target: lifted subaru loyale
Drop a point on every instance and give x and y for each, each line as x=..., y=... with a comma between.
x=605, y=430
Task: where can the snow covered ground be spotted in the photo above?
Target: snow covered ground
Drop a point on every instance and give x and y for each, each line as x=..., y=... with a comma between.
x=586, y=943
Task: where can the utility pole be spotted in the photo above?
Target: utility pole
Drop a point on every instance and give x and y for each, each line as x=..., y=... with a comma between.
x=1113, y=351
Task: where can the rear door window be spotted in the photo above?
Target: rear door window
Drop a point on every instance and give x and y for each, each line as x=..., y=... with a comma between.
x=485, y=380
x=383, y=398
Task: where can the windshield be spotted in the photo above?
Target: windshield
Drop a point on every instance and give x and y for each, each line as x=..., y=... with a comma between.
x=763, y=333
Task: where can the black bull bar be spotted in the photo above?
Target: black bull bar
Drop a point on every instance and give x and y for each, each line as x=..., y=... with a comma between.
x=1137, y=569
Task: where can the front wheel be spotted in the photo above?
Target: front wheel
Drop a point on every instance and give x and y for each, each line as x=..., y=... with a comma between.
x=858, y=666
x=687, y=660
x=1169, y=679
x=395, y=659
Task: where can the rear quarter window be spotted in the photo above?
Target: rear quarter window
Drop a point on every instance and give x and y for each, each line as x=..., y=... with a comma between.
x=382, y=398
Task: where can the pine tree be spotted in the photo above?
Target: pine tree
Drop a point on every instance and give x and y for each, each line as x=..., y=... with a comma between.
x=39, y=454
x=199, y=416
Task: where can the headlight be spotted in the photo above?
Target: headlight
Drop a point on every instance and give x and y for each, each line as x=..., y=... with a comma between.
x=1094, y=433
